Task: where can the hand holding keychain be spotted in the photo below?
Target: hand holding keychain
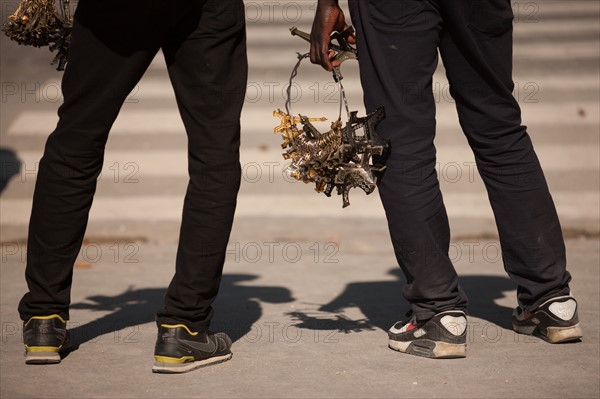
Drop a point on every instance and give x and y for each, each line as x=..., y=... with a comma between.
x=339, y=158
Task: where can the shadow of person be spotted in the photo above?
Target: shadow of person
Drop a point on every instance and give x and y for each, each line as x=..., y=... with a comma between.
x=10, y=166
x=483, y=291
x=382, y=304
x=237, y=308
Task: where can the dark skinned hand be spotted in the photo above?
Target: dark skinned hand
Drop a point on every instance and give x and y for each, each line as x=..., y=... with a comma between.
x=329, y=18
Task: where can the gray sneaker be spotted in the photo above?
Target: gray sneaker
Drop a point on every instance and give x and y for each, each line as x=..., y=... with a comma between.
x=554, y=321
x=444, y=336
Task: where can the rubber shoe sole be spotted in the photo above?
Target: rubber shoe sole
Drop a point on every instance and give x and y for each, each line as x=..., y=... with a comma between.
x=430, y=349
x=33, y=356
x=177, y=368
x=554, y=335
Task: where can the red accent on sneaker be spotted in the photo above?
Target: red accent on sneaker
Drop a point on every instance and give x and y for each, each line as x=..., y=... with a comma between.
x=410, y=326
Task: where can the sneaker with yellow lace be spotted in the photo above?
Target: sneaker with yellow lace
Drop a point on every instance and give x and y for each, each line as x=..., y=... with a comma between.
x=179, y=349
x=45, y=337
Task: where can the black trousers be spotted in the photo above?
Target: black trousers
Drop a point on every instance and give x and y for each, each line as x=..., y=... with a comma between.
x=398, y=43
x=113, y=43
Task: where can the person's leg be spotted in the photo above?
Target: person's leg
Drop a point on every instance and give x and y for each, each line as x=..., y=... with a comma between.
x=397, y=45
x=476, y=49
x=207, y=64
x=113, y=42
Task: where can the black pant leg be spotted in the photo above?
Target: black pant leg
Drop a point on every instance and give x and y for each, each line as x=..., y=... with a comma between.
x=397, y=44
x=207, y=65
x=113, y=42
x=476, y=49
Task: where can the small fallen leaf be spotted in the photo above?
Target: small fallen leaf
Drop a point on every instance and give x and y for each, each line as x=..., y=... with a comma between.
x=83, y=265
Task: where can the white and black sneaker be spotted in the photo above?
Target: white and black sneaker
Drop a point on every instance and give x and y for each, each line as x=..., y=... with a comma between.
x=554, y=321
x=444, y=336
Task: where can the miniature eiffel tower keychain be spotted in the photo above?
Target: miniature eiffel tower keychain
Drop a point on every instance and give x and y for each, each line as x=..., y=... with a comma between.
x=339, y=158
x=38, y=23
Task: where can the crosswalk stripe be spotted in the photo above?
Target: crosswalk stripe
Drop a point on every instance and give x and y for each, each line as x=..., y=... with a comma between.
x=257, y=117
x=276, y=59
x=168, y=208
x=159, y=88
x=134, y=165
x=260, y=34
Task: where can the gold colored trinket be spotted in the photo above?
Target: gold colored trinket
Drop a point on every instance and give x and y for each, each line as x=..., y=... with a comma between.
x=38, y=23
x=339, y=158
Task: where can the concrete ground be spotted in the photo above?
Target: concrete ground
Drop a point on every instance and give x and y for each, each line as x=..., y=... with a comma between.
x=305, y=324
x=309, y=289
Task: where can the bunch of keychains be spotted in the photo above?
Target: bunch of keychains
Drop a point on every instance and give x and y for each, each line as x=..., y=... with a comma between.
x=341, y=158
x=39, y=23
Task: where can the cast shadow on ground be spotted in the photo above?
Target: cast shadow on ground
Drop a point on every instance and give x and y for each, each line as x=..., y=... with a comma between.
x=237, y=309
x=382, y=304
x=10, y=166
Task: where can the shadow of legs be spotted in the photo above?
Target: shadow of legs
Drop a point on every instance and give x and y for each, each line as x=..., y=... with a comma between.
x=382, y=304
x=237, y=309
